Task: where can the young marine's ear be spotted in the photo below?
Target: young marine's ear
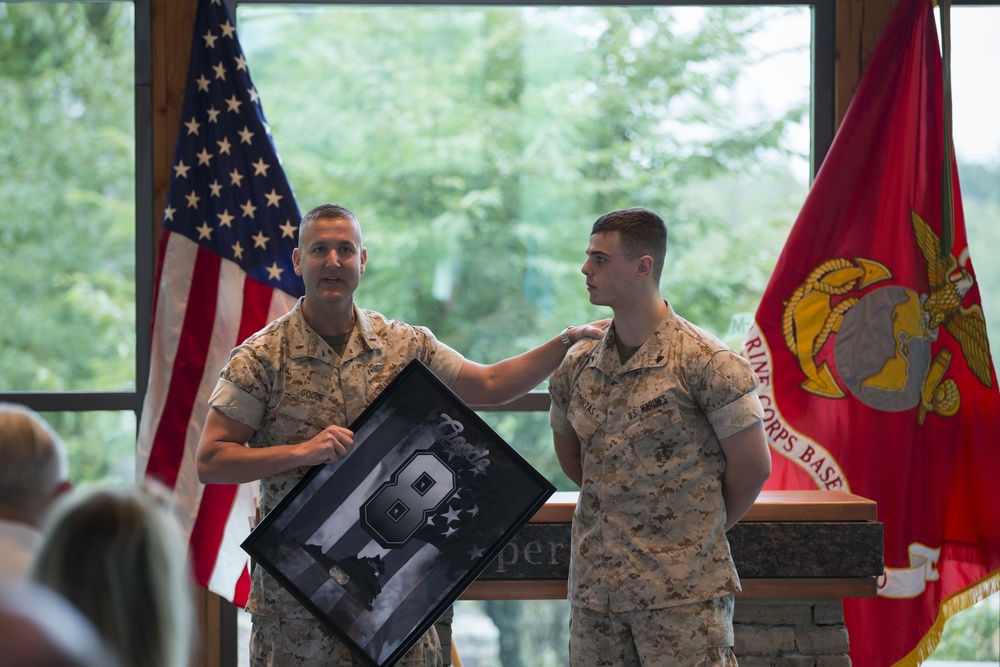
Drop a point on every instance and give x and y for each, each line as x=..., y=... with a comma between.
x=645, y=266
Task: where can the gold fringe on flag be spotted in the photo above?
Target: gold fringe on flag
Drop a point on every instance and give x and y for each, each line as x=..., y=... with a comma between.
x=950, y=606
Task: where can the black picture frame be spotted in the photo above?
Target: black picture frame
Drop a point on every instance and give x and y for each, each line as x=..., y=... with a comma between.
x=379, y=544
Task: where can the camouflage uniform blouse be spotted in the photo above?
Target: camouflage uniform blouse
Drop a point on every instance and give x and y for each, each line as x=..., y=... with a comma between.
x=288, y=384
x=649, y=526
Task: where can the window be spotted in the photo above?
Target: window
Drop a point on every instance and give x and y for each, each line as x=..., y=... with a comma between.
x=75, y=304
x=971, y=636
x=478, y=144
x=977, y=147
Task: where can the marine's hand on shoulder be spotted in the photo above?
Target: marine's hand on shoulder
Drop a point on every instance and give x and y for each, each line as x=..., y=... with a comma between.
x=595, y=329
x=496, y=384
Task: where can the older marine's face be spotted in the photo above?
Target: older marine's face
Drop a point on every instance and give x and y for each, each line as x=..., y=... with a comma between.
x=330, y=259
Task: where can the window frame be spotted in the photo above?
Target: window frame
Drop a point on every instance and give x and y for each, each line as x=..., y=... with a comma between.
x=822, y=111
x=124, y=400
x=822, y=98
x=822, y=104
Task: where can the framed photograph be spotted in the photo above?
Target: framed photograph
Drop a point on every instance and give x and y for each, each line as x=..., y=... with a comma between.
x=379, y=544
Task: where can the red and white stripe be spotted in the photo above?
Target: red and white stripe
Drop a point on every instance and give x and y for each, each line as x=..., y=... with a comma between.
x=204, y=307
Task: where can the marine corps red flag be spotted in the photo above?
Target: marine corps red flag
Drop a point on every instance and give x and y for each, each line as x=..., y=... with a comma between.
x=871, y=348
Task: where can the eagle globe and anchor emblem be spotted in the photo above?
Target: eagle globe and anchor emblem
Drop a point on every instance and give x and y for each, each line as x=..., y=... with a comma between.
x=882, y=348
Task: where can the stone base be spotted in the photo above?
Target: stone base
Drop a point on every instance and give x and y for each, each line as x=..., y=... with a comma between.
x=790, y=633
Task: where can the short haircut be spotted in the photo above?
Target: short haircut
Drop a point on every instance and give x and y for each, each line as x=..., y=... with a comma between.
x=32, y=459
x=327, y=212
x=642, y=232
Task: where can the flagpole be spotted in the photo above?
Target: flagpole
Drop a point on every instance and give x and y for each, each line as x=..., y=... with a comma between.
x=947, y=175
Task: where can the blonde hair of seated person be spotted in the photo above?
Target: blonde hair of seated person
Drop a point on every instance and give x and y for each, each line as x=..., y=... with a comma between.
x=117, y=554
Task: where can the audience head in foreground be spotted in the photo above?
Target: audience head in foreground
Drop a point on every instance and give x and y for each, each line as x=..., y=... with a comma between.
x=117, y=554
x=40, y=629
x=32, y=475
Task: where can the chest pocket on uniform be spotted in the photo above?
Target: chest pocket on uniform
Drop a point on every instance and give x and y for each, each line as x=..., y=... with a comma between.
x=655, y=430
x=585, y=421
x=307, y=403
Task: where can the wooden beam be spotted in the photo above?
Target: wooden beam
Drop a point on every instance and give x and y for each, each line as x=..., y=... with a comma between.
x=812, y=505
x=172, y=29
x=208, y=639
x=859, y=28
x=556, y=589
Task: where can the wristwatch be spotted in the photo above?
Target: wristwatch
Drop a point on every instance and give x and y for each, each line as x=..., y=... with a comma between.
x=564, y=337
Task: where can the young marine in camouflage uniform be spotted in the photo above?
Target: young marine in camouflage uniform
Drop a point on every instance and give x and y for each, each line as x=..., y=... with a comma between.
x=283, y=403
x=660, y=425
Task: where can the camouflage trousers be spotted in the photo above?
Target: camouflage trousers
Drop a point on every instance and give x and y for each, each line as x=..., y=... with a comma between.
x=692, y=635
x=301, y=642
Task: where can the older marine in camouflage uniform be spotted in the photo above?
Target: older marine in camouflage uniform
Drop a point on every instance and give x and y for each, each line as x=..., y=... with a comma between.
x=285, y=400
x=288, y=384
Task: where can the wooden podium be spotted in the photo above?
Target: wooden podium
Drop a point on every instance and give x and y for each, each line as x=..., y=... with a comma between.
x=791, y=544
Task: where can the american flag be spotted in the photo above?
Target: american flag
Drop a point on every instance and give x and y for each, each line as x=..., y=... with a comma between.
x=224, y=271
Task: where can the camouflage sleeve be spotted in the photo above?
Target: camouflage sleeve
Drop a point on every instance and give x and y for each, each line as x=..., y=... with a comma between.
x=238, y=405
x=242, y=390
x=730, y=400
x=444, y=361
x=736, y=416
x=559, y=393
